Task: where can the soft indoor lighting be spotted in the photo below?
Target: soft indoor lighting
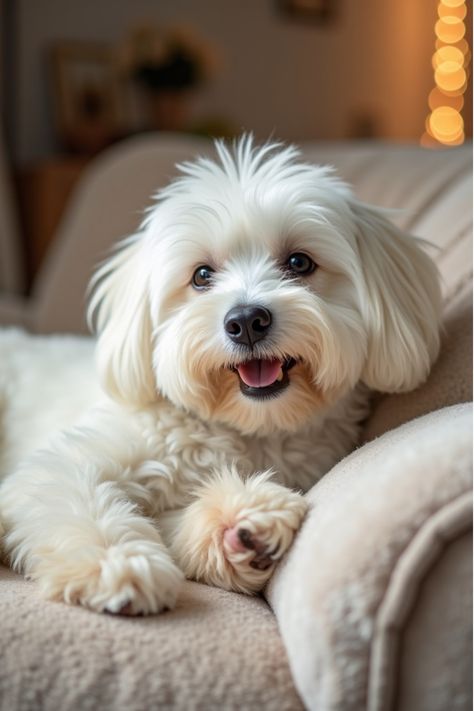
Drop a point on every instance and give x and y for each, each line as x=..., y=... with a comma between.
x=445, y=124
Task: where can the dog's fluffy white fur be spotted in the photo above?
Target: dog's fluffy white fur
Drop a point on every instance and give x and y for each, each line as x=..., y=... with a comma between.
x=175, y=467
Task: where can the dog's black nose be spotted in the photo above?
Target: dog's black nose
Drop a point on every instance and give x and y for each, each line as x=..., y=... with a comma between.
x=247, y=324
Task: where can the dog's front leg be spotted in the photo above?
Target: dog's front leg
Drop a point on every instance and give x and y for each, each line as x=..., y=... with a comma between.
x=69, y=525
x=235, y=530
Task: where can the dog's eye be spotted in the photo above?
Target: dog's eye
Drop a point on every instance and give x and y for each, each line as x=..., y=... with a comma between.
x=300, y=263
x=202, y=277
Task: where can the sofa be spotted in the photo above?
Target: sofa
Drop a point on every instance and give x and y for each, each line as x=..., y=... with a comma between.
x=372, y=606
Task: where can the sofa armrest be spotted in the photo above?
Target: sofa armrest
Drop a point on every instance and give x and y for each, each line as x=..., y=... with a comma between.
x=381, y=522
x=16, y=311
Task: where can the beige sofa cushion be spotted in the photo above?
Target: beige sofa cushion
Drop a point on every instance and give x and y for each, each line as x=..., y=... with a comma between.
x=346, y=595
x=217, y=650
x=427, y=643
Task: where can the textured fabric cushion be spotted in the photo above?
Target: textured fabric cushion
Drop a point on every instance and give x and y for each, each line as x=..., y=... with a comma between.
x=427, y=643
x=217, y=650
x=380, y=520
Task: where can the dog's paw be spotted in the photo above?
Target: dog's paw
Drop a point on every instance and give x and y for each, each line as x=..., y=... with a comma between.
x=133, y=578
x=235, y=532
x=258, y=546
x=259, y=537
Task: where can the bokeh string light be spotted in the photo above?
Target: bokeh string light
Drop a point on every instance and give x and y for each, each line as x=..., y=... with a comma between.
x=445, y=124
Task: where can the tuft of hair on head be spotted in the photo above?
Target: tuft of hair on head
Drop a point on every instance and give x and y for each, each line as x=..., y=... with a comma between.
x=241, y=161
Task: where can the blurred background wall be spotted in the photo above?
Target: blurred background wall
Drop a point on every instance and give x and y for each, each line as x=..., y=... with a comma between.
x=78, y=75
x=364, y=71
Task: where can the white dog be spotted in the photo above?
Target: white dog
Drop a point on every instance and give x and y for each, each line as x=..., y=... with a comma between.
x=240, y=330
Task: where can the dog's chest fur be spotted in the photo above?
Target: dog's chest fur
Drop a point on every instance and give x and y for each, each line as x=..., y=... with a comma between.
x=163, y=444
x=190, y=450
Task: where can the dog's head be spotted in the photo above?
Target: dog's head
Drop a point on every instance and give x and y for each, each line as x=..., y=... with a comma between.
x=259, y=290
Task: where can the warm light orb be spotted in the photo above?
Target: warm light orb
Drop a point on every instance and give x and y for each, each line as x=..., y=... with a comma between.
x=446, y=123
x=448, y=53
x=453, y=3
x=450, y=29
x=450, y=76
x=450, y=63
x=460, y=11
x=462, y=45
x=457, y=141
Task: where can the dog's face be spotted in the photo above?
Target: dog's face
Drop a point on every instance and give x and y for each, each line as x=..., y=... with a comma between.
x=259, y=291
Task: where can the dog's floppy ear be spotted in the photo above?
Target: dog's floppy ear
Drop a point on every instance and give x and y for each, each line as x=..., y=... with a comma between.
x=120, y=313
x=401, y=305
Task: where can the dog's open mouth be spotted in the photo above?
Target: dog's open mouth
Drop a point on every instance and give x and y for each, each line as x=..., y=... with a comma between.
x=262, y=378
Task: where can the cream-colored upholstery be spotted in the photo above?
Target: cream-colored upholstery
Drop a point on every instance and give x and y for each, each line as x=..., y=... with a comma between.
x=372, y=606
x=216, y=650
x=380, y=524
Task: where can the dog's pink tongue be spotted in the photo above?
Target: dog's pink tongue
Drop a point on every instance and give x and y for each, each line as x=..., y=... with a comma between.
x=260, y=373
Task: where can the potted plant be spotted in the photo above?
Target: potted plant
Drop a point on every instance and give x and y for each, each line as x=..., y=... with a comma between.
x=168, y=65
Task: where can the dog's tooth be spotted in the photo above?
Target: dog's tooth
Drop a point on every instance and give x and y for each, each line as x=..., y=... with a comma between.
x=280, y=375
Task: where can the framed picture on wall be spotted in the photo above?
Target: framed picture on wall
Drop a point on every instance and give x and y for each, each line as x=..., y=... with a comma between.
x=87, y=96
x=317, y=11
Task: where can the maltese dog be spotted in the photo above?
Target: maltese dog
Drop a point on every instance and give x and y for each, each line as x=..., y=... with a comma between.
x=240, y=332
